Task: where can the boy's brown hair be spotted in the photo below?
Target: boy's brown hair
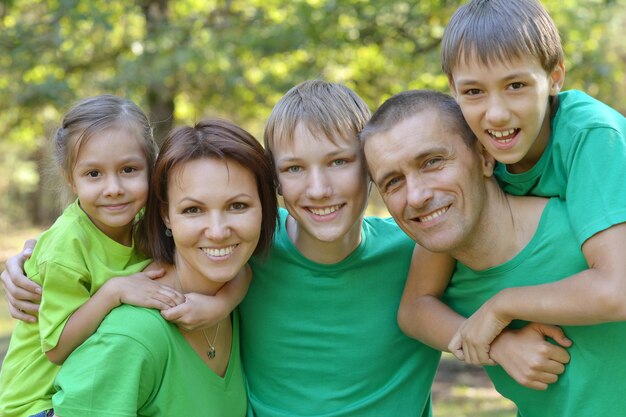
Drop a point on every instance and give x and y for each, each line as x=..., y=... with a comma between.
x=500, y=30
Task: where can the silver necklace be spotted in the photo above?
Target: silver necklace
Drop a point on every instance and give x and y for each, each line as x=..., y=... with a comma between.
x=211, y=351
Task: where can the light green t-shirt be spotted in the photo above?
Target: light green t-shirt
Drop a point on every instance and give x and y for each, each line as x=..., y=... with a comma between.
x=583, y=164
x=323, y=340
x=592, y=384
x=71, y=261
x=138, y=364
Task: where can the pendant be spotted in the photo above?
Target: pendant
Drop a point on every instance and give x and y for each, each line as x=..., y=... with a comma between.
x=211, y=353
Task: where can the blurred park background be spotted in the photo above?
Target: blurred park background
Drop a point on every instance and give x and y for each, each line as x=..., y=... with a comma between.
x=185, y=60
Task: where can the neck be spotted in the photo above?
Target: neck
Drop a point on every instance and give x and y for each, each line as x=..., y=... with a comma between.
x=188, y=280
x=324, y=252
x=499, y=235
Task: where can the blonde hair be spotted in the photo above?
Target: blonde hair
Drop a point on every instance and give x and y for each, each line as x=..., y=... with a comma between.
x=328, y=110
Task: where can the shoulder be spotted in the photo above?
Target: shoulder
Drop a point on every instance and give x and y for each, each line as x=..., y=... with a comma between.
x=578, y=110
x=144, y=325
x=373, y=224
x=385, y=231
x=66, y=238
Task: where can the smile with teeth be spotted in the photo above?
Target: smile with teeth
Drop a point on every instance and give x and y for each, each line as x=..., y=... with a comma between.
x=219, y=252
x=324, y=211
x=502, y=135
x=432, y=215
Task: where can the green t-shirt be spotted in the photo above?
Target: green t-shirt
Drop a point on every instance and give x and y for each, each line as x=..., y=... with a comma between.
x=323, y=340
x=71, y=261
x=583, y=164
x=138, y=364
x=592, y=382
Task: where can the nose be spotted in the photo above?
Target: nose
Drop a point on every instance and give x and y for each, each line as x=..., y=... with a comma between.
x=113, y=186
x=318, y=184
x=217, y=227
x=497, y=110
x=419, y=193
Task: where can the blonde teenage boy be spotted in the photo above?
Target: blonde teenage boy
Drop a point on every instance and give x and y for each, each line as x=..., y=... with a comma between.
x=319, y=329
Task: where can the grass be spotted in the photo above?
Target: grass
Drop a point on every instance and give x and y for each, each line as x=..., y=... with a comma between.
x=458, y=391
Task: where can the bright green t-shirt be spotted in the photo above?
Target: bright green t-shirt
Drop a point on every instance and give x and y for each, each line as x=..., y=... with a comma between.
x=71, y=261
x=583, y=164
x=592, y=384
x=138, y=364
x=323, y=340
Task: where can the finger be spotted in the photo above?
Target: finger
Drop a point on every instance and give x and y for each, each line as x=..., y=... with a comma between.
x=558, y=354
x=537, y=385
x=547, y=378
x=170, y=296
x=25, y=306
x=555, y=333
x=456, y=346
x=155, y=273
x=174, y=313
x=29, y=246
x=553, y=368
x=21, y=315
x=19, y=286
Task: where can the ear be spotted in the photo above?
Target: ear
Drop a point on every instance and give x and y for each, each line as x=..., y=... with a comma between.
x=279, y=189
x=165, y=217
x=488, y=162
x=70, y=181
x=557, y=78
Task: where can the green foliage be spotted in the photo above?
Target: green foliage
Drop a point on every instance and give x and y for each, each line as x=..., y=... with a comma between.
x=186, y=59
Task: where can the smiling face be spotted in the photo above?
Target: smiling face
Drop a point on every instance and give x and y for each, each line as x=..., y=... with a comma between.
x=110, y=178
x=431, y=182
x=215, y=214
x=506, y=105
x=324, y=185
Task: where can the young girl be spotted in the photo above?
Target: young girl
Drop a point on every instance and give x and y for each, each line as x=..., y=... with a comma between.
x=203, y=232
x=105, y=152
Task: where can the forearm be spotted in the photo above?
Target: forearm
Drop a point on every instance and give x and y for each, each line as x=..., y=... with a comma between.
x=589, y=297
x=233, y=293
x=429, y=320
x=82, y=324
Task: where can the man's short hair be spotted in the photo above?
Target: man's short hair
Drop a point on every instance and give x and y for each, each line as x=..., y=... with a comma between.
x=410, y=103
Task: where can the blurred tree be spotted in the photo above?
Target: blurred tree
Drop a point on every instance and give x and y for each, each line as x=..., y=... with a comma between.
x=186, y=59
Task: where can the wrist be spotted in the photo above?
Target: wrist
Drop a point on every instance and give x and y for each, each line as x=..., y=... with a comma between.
x=111, y=293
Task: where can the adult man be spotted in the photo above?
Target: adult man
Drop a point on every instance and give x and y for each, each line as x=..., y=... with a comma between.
x=438, y=184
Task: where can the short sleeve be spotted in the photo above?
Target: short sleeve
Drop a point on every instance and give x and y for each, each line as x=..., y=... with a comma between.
x=64, y=290
x=110, y=374
x=595, y=196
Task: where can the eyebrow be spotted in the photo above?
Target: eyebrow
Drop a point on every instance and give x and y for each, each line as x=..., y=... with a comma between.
x=464, y=81
x=338, y=152
x=201, y=203
x=417, y=158
x=98, y=162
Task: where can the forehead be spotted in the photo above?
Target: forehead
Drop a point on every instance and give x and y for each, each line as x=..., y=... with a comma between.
x=212, y=177
x=471, y=63
x=102, y=145
x=308, y=143
x=408, y=142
